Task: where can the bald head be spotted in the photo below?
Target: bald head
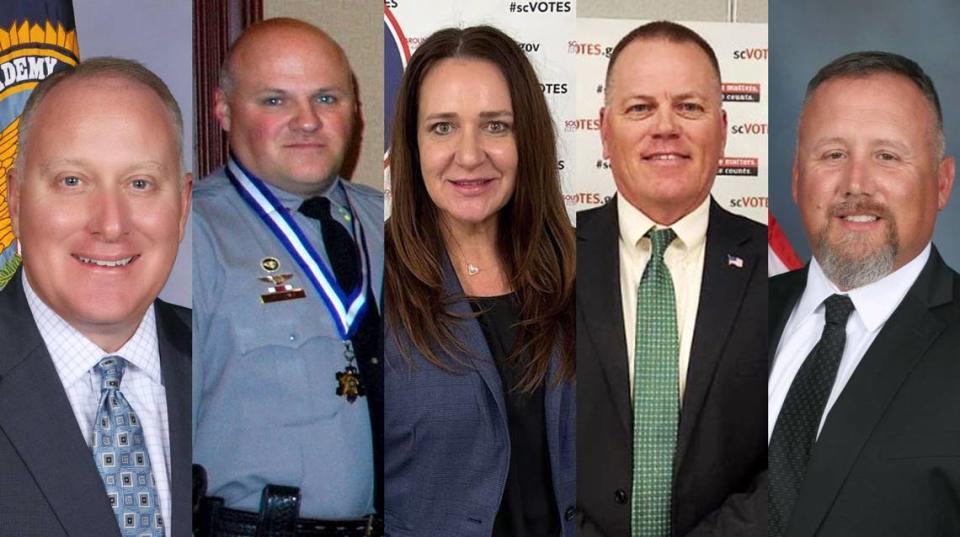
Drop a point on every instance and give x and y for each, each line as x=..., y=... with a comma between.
x=267, y=39
x=288, y=104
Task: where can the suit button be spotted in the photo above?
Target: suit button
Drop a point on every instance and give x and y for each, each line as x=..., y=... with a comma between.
x=620, y=495
x=571, y=512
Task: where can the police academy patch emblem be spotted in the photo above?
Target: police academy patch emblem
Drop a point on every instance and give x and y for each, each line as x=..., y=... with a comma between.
x=29, y=52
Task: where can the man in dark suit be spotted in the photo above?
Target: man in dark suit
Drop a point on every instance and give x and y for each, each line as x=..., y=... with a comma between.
x=94, y=370
x=863, y=402
x=671, y=308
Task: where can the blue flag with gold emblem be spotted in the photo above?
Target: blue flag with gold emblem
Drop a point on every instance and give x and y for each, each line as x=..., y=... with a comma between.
x=37, y=38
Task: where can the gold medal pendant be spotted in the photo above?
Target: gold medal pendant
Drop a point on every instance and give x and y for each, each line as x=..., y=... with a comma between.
x=349, y=385
x=348, y=380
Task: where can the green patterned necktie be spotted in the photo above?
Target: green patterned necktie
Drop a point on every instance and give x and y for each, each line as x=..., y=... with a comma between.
x=656, y=394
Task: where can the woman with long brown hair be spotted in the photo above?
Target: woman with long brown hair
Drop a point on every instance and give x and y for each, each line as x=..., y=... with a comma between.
x=479, y=297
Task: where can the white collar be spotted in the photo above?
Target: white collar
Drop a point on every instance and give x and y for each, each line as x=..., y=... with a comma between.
x=874, y=302
x=691, y=230
x=73, y=354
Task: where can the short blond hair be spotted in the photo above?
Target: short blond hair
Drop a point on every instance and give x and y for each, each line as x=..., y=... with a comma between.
x=99, y=67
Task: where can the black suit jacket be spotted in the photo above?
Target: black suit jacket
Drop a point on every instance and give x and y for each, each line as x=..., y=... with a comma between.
x=49, y=483
x=720, y=474
x=887, y=461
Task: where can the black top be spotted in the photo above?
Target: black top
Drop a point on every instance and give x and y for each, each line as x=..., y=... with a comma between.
x=528, y=507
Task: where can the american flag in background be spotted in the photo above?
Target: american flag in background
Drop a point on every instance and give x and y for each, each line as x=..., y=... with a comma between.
x=780, y=255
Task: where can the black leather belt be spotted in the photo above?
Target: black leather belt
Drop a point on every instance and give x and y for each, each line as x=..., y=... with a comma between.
x=233, y=523
x=278, y=517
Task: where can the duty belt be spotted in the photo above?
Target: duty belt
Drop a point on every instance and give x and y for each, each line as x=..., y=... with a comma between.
x=278, y=517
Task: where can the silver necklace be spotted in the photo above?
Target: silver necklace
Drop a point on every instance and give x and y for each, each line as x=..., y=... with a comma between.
x=472, y=270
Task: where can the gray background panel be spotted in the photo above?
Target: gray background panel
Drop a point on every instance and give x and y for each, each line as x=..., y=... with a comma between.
x=804, y=36
x=158, y=33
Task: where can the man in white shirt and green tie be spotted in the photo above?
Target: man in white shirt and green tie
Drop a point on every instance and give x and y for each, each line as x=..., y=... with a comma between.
x=671, y=310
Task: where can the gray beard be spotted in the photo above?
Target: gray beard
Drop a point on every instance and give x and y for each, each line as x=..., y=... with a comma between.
x=849, y=271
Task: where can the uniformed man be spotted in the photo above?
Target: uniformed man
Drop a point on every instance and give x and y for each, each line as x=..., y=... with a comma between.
x=288, y=269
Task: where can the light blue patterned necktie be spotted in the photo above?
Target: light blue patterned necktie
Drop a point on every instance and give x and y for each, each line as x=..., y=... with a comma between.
x=656, y=399
x=121, y=456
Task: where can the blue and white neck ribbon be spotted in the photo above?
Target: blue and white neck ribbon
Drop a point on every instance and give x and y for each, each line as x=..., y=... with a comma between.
x=347, y=311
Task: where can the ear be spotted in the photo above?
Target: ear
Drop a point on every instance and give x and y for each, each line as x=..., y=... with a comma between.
x=723, y=125
x=186, y=194
x=13, y=199
x=795, y=175
x=945, y=174
x=359, y=121
x=604, y=130
x=221, y=109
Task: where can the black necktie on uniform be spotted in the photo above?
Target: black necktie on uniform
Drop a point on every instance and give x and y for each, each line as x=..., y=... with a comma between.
x=796, y=429
x=340, y=246
x=368, y=339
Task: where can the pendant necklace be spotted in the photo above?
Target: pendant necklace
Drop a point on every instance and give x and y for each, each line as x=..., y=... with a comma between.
x=472, y=270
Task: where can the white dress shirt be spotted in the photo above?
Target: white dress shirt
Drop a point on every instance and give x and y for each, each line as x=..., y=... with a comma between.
x=874, y=304
x=684, y=259
x=75, y=356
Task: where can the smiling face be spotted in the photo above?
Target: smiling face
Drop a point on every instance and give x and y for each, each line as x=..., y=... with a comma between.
x=468, y=151
x=289, y=112
x=98, y=205
x=662, y=127
x=866, y=177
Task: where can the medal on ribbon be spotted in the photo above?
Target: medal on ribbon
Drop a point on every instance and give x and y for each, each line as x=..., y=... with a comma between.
x=348, y=380
x=346, y=310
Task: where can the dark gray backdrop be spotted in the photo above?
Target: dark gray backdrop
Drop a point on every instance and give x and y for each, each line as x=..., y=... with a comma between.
x=804, y=36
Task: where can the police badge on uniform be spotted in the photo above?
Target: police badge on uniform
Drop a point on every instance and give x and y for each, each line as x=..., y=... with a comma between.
x=349, y=385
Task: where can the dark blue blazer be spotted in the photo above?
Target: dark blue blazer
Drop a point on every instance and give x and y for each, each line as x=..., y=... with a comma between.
x=446, y=443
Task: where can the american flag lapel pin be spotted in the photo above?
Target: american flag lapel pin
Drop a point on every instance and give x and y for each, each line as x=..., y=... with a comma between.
x=734, y=261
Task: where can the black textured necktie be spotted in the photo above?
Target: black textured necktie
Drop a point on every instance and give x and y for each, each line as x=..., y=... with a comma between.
x=340, y=246
x=368, y=339
x=796, y=429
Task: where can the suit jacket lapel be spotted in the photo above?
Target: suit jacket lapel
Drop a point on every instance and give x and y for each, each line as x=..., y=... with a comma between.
x=174, y=339
x=552, y=400
x=598, y=262
x=36, y=417
x=470, y=335
x=721, y=294
x=901, y=343
x=783, y=297
x=557, y=401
